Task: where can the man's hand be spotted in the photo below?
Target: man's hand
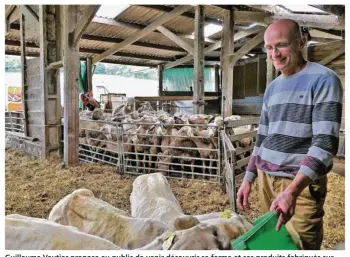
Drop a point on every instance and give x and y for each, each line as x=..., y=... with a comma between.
x=284, y=205
x=285, y=202
x=243, y=194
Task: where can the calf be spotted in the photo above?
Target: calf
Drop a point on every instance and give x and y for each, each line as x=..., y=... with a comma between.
x=94, y=216
x=26, y=233
x=151, y=197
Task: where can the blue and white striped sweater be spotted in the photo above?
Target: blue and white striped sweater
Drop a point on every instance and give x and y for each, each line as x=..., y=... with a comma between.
x=299, y=124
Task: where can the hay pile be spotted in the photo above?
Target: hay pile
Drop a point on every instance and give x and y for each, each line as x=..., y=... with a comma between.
x=34, y=186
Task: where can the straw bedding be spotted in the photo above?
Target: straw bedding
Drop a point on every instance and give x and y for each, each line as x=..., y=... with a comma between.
x=34, y=186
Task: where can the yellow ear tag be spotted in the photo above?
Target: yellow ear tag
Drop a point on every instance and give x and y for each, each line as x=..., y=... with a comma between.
x=168, y=241
x=225, y=214
x=206, y=121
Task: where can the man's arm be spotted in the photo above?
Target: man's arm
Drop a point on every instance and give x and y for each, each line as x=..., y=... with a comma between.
x=326, y=119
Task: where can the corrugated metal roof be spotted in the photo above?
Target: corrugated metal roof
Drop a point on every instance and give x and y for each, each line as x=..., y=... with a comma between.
x=102, y=34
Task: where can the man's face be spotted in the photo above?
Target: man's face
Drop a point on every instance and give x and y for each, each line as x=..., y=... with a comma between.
x=283, y=49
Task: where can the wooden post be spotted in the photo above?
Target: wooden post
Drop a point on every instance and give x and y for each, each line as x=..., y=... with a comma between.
x=270, y=72
x=258, y=72
x=226, y=70
x=217, y=78
x=89, y=73
x=198, y=91
x=49, y=80
x=305, y=49
x=24, y=71
x=11, y=121
x=160, y=80
x=160, y=85
x=71, y=74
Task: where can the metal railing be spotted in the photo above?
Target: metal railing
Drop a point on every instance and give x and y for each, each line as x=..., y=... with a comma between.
x=14, y=122
x=236, y=153
x=97, y=142
x=138, y=148
x=170, y=108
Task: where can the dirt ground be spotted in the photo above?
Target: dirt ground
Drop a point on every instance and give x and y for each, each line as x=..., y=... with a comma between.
x=33, y=187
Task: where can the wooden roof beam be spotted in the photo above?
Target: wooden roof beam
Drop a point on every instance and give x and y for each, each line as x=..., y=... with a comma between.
x=271, y=8
x=307, y=20
x=98, y=51
x=317, y=33
x=339, y=33
x=176, y=39
x=259, y=38
x=338, y=10
x=118, y=40
x=8, y=10
x=130, y=55
x=225, y=7
x=311, y=20
x=324, y=40
x=128, y=63
x=216, y=45
x=137, y=43
x=84, y=21
x=32, y=12
x=12, y=13
x=333, y=55
x=140, y=34
x=31, y=54
x=18, y=53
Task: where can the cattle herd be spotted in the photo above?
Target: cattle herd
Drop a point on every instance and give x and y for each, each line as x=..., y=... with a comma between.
x=80, y=221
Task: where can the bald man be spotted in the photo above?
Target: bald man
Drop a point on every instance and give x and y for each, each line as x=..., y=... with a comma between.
x=297, y=138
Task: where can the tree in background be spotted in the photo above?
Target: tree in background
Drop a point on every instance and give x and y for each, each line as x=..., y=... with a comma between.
x=13, y=64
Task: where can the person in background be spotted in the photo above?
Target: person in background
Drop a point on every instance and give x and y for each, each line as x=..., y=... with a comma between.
x=88, y=101
x=297, y=138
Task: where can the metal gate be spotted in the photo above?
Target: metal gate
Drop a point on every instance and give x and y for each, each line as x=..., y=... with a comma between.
x=229, y=172
x=14, y=122
x=99, y=141
x=236, y=153
x=172, y=149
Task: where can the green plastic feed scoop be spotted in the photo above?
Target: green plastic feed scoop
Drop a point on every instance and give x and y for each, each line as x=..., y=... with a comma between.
x=263, y=236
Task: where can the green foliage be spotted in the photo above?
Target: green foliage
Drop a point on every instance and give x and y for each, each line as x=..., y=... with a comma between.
x=13, y=64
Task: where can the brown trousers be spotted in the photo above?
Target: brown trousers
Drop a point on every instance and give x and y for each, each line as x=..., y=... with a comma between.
x=306, y=226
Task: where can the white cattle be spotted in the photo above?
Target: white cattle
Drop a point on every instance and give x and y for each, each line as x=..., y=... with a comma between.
x=94, y=216
x=26, y=233
x=199, y=237
x=151, y=197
